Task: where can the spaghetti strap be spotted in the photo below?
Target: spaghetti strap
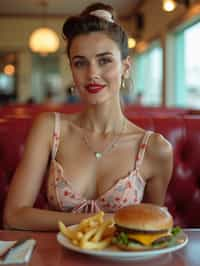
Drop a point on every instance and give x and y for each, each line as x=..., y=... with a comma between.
x=142, y=149
x=56, y=136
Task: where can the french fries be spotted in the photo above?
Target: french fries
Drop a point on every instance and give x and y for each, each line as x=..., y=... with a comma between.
x=92, y=233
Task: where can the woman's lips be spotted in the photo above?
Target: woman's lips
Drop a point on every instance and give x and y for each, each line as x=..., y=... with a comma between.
x=94, y=88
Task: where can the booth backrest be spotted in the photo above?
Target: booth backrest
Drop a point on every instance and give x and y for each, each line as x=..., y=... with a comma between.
x=24, y=110
x=183, y=131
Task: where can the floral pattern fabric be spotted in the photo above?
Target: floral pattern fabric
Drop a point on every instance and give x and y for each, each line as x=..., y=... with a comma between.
x=61, y=196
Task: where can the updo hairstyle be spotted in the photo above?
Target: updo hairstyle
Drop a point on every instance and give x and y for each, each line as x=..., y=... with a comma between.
x=87, y=23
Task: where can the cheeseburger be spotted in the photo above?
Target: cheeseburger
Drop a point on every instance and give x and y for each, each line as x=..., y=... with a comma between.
x=142, y=227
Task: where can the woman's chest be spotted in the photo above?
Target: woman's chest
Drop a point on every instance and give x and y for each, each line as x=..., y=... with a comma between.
x=92, y=177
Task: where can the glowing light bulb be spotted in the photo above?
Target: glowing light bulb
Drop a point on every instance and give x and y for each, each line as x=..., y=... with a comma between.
x=169, y=5
x=44, y=41
x=9, y=70
x=131, y=43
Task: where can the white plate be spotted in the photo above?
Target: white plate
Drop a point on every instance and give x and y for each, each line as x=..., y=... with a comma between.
x=114, y=253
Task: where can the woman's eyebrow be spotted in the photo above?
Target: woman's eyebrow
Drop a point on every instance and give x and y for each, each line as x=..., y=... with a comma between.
x=103, y=54
x=97, y=55
x=78, y=57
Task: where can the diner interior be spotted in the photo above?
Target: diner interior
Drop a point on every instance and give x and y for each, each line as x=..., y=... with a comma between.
x=163, y=95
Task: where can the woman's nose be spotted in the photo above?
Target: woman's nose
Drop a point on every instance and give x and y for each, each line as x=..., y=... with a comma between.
x=93, y=71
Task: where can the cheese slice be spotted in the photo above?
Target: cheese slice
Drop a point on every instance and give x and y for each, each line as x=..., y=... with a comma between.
x=147, y=239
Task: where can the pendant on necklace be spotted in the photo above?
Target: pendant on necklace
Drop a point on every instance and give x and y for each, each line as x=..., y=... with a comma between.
x=98, y=155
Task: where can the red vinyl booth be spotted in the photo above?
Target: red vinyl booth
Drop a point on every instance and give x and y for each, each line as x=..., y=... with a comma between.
x=183, y=131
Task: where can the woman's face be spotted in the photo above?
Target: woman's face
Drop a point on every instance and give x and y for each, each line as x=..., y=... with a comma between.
x=97, y=67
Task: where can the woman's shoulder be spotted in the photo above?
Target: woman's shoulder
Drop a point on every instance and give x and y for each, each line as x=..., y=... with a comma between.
x=69, y=118
x=42, y=126
x=159, y=142
x=45, y=124
x=48, y=118
x=159, y=156
x=43, y=120
x=159, y=146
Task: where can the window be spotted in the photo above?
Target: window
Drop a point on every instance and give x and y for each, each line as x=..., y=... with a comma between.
x=46, y=80
x=148, y=75
x=187, y=67
x=7, y=77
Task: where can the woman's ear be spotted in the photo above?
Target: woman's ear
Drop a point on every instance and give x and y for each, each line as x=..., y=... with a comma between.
x=126, y=66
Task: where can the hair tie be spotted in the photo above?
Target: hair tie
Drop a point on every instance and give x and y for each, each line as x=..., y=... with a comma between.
x=104, y=14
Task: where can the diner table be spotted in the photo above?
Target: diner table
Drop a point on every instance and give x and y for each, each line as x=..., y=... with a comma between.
x=48, y=252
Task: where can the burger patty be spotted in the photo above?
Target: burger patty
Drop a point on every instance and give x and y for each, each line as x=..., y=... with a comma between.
x=143, y=239
x=136, y=231
x=162, y=240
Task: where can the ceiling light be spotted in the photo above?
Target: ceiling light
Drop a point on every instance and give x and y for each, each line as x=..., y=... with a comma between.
x=9, y=70
x=44, y=40
x=131, y=43
x=169, y=5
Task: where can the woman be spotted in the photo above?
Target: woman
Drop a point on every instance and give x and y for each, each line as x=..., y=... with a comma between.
x=99, y=159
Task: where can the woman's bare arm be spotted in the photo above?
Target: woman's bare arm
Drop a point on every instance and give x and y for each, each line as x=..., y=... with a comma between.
x=160, y=161
x=25, y=186
x=28, y=218
x=27, y=180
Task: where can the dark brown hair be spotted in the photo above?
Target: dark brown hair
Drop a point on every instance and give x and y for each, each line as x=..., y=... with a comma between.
x=99, y=6
x=86, y=23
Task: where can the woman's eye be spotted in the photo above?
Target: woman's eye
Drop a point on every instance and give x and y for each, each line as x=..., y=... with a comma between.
x=104, y=61
x=79, y=63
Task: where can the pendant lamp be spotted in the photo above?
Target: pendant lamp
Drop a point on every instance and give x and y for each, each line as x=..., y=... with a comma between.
x=44, y=40
x=169, y=5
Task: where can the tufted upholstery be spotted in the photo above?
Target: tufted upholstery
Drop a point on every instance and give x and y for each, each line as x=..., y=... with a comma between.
x=182, y=130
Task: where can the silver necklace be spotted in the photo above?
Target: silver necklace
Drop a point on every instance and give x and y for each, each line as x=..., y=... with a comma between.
x=98, y=155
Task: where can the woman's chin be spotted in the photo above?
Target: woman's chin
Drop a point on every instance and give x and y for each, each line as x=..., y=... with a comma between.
x=96, y=100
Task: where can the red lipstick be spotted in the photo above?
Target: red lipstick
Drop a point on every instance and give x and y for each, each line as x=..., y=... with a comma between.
x=94, y=87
